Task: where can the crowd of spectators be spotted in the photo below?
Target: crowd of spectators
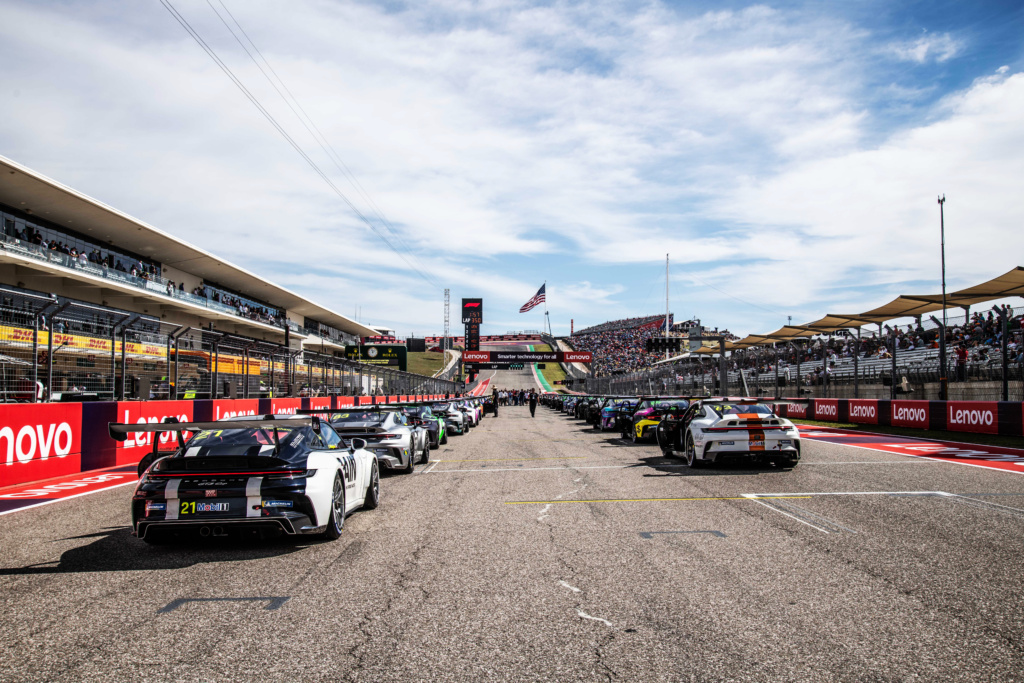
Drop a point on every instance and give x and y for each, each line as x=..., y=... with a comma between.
x=619, y=346
x=973, y=341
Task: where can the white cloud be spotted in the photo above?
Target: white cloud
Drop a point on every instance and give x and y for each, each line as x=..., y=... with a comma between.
x=507, y=142
x=939, y=48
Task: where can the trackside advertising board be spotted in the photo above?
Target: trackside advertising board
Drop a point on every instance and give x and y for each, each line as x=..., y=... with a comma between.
x=526, y=357
x=911, y=414
x=826, y=409
x=863, y=411
x=39, y=441
x=973, y=416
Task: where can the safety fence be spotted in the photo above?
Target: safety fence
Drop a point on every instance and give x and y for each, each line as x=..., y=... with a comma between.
x=58, y=349
x=44, y=440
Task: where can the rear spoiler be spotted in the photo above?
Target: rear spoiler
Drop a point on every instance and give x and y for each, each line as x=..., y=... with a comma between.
x=119, y=431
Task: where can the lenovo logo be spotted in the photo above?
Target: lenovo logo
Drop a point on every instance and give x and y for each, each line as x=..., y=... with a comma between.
x=36, y=440
x=910, y=414
x=146, y=438
x=863, y=411
x=826, y=410
x=973, y=417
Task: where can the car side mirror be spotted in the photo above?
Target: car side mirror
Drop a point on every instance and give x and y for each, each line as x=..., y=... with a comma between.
x=356, y=445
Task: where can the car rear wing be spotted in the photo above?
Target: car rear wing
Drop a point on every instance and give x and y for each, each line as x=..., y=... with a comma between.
x=119, y=431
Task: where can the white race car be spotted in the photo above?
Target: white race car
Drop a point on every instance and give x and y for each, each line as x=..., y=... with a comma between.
x=719, y=430
x=284, y=472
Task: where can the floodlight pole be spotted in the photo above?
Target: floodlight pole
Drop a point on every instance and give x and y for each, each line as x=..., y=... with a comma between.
x=943, y=376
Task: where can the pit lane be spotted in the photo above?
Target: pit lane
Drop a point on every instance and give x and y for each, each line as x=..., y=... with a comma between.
x=540, y=549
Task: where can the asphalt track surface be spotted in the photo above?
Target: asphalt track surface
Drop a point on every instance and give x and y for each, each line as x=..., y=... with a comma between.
x=542, y=550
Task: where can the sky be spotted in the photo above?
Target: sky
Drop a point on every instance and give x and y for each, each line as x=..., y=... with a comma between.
x=786, y=156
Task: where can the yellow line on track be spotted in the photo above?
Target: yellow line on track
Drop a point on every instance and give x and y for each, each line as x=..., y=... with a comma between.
x=573, y=457
x=644, y=500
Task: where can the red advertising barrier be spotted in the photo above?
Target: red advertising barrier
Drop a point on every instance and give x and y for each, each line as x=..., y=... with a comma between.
x=864, y=411
x=280, y=406
x=133, y=448
x=317, y=403
x=911, y=414
x=796, y=410
x=365, y=400
x=972, y=416
x=221, y=408
x=826, y=409
x=343, y=401
x=39, y=441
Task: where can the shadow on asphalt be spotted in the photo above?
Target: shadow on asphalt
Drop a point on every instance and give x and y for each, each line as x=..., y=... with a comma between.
x=677, y=468
x=115, y=549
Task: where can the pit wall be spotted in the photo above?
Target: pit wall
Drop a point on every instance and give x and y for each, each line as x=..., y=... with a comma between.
x=981, y=417
x=44, y=440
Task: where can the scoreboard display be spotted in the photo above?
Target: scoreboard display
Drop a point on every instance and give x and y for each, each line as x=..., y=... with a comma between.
x=472, y=311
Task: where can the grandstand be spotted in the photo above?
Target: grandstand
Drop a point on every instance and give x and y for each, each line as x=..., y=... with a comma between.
x=95, y=302
x=618, y=346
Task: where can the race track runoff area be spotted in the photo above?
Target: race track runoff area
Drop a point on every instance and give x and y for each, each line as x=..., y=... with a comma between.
x=542, y=550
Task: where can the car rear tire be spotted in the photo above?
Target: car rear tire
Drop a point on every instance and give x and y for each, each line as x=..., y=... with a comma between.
x=691, y=453
x=633, y=436
x=372, y=498
x=336, y=520
x=425, y=454
x=408, y=469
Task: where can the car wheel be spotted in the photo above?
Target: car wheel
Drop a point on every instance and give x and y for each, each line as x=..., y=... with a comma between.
x=691, y=453
x=444, y=439
x=408, y=469
x=425, y=454
x=432, y=444
x=372, y=498
x=336, y=520
x=633, y=437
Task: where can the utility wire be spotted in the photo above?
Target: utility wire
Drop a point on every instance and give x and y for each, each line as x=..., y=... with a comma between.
x=321, y=139
x=277, y=126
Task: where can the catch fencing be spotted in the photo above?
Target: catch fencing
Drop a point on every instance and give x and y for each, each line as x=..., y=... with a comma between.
x=54, y=349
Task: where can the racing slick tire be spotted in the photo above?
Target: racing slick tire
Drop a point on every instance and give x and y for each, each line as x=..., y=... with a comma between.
x=444, y=439
x=372, y=498
x=633, y=437
x=408, y=469
x=691, y=454
x=336, y=520
x=425, y=454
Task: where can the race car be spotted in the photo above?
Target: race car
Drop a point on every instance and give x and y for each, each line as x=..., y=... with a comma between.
x=610, y=412
x=290, y=473
x=420, y=413
x=455, y=419
x=397, y=443
x=718, y=430
x=649, y=412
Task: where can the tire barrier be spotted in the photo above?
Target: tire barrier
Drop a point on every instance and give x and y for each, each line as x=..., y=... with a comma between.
x=45, y=440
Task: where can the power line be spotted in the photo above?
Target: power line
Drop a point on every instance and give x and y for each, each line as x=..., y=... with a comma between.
x=318, y=135
x=277, y=126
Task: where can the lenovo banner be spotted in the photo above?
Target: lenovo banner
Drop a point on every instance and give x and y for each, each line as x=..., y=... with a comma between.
x=526, y=357
x=133, y=448
x=39, y=441
x=826, y=409
x=796, y=410
x=972, y=416
x=218, y=409
x=864, y=411
x=911, y=414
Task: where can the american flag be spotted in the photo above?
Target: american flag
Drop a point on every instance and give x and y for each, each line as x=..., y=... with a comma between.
x=537, y=299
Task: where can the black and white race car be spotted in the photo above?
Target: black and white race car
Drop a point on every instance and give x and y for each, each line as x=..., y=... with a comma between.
x=719, y=430
x=286, y=473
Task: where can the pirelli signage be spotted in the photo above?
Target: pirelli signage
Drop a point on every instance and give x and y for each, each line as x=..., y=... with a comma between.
x=526, y=357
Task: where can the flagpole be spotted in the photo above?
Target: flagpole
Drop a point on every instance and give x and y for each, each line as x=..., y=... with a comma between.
x=545, y=307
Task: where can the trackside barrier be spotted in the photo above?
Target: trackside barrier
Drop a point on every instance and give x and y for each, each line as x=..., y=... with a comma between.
x=979, y=417
x=44, y=440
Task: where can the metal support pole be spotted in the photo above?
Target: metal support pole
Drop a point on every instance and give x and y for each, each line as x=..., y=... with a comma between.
x=177, y=391
x=943, y=365
x=1005, y=319
x=824, y=365
x=856, y=367
x=723, y=368
x=775, y=351
x=35, y=357
x=892, y=387
x=215, y=388
x=799, y=362
x=124, y=363
x=49, y=361
x=245, y=373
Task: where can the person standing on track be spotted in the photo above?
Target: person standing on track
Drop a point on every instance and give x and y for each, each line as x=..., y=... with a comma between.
x=533, y=403
x=495, y=400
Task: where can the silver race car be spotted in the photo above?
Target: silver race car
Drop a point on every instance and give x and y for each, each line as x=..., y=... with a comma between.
x=388, y=432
